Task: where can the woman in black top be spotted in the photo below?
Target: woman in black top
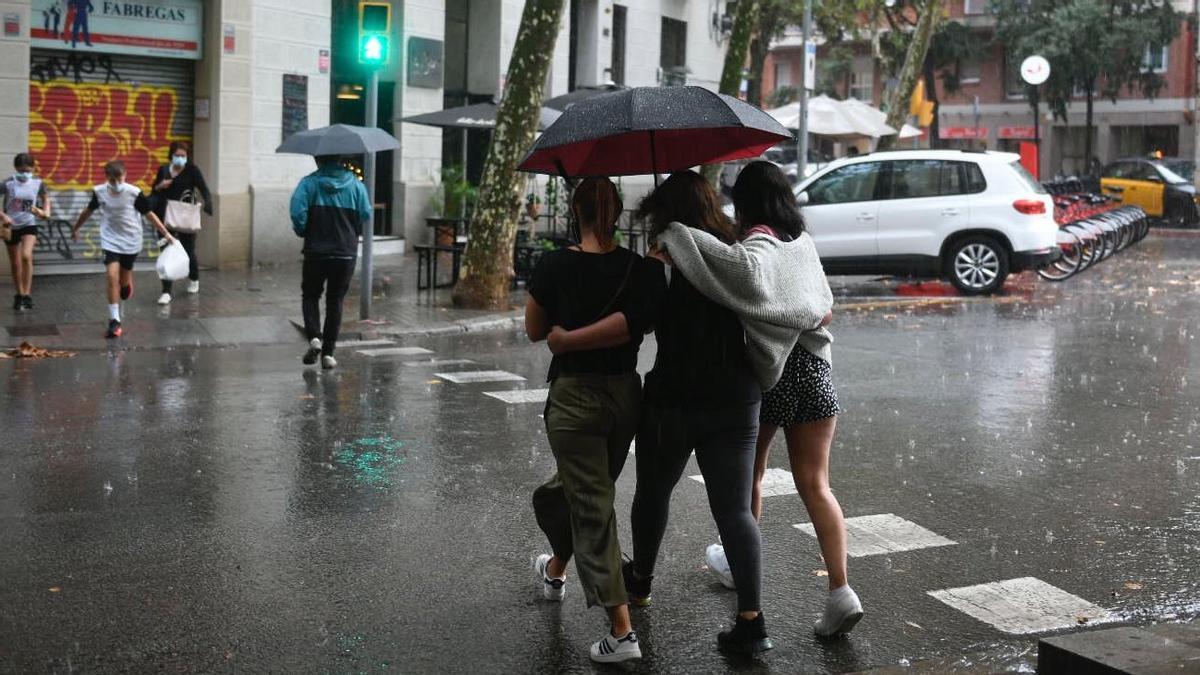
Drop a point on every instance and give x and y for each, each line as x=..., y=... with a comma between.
x=180, y=180
x=593, y=406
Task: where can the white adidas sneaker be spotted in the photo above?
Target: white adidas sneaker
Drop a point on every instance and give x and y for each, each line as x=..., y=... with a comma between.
x=553, y=589
x=714, y=556
x=613, y=649
x=843, y=610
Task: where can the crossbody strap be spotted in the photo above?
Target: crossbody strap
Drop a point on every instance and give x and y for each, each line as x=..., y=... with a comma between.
x=620, y=289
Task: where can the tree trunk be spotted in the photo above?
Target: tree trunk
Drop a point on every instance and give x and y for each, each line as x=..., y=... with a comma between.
x=927, y=24
x=735, y=62
x=487, y=268
x=758, y=63
x=930, y=76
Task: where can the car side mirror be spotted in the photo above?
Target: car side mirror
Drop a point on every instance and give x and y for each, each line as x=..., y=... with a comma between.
x=802, y=198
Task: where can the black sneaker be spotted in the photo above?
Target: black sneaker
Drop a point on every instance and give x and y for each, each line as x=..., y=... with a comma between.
x=18, y=303
x=114, y=329
x=747, y=637
x=27, y=302
x=637, y=589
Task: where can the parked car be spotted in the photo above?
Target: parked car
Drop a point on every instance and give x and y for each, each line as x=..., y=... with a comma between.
x=1164, y=188
x=971, y=217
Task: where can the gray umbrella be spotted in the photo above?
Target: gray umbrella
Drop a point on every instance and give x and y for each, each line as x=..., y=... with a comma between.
x=339, y=139
x=581, y=94
x=475, y=116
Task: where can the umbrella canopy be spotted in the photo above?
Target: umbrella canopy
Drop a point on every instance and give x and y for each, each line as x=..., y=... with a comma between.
x=878, y=117
x=339, y=139
x=565, y=101
x=826, y=117
x=650, y=130
x=475, y=116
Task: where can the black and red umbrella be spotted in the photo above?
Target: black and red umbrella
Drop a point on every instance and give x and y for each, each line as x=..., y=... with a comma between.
x=652, y=130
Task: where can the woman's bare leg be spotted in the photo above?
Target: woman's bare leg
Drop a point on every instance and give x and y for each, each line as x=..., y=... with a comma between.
x=27, y=264
x=14, y=264
x=762, y=452
x=808, y=449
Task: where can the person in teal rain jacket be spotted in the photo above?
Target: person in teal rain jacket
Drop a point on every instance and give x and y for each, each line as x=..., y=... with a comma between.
x=329, y=209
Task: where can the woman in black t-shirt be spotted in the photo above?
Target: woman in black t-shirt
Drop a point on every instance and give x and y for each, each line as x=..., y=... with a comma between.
x=180, y=180
x=594, y=403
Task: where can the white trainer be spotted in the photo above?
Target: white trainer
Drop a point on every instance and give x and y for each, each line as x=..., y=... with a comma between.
x=553, y=589
x=714, y=556
x=613, y=649
x=164, y=299
x=328, y=362
x=193, y=286
x=843, y=610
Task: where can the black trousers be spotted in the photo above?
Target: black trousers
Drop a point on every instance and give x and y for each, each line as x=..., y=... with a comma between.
x=723, y=439
x=331, y=276
x=188, y=241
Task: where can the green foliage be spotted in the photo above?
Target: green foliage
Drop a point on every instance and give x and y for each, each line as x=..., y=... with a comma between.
x=783, y=96
x=953, y=44
x=453, y=193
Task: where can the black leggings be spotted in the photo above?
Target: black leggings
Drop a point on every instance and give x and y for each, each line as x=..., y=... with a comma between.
x=331, y=275
x=188, y=240
x=723, y=439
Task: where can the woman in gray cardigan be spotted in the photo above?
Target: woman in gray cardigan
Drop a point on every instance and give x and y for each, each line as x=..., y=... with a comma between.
x=773, y=280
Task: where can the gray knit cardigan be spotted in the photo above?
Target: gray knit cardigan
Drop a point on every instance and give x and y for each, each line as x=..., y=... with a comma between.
x=778, y=290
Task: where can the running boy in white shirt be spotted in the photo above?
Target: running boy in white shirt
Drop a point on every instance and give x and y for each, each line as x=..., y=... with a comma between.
x=121, y=208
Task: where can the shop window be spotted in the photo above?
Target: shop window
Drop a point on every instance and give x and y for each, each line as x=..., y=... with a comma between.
x=618, y=44
x=862, y=80
x=673, y=52
x=783, y=74
x=1154, y=60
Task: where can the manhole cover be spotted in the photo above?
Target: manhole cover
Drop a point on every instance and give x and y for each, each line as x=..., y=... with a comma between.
x=33, y=330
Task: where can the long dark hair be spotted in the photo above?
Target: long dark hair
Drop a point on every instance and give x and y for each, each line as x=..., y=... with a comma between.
x=687, y=198
x=596, y=205
x=762, y=196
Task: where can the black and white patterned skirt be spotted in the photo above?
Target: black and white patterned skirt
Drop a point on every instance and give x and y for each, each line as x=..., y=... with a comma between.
x=805, y=393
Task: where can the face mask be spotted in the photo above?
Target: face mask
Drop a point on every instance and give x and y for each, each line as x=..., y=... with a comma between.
x=179, y=161
x=24, y=175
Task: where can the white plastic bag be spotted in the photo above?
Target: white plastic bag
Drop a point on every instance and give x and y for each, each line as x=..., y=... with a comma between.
x=172, y=263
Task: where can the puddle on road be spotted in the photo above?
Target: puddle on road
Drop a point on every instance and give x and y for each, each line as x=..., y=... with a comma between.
x=371, y=461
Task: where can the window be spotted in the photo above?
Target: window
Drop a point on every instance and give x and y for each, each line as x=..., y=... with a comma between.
x=862, y=80
x=618, y=45
x=783, y=74
x=970, y=72
x=976, y=183
x=1154, y=60
x=1033, y=183
x=914, y=178
x=976, y=7
x=853, y=183
x=1014, y=86
x=673, y=51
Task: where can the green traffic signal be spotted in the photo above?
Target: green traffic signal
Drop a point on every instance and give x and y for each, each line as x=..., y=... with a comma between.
x=373, y=49
x=374, y=28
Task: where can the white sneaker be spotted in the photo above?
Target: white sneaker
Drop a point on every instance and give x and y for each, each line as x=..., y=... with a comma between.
x=164, y=299
x=193, y=286
x=553, y=589
x=842, y=612
x=611, y=650
x=328, y=362
x=714, y=556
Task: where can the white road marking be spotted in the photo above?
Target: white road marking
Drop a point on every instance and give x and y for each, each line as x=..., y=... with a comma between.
x=396, y=351
x=520, y=395
x=883, y=533
x=1020, y=606
x=469, y=376
x=378, y=342
x=437, y=363
x=775, y=482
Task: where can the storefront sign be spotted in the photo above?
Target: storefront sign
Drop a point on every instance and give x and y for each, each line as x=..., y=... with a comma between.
x=1015, y=132
x=424, y=63
x=12, y=25
x=202, y=109
x=295, y=104
x=323, y=61
x=229, y=38
x=963, y=132
x=172, y=28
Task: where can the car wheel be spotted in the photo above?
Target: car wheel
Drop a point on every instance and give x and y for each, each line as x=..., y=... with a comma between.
x=976, y=265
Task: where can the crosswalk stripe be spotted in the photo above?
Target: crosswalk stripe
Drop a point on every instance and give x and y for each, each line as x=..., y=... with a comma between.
x=396, y=351
x=1021, y=606
x=513, y=396
x=470, y=376
x=437, y=363
x=775, y=482
x=883, y=533
x=378, y=342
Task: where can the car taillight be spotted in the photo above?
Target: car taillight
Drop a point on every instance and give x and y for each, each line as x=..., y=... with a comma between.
x=1030, y=207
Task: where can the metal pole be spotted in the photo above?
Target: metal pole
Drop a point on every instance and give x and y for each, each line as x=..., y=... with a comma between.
x=1037, y=131
x=364, y=307
x=802, y=132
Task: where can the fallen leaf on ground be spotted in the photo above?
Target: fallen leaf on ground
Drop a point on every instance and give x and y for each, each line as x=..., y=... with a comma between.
x=55, y=589
x=1081, y=619
x=28, y=351
x=917, y=626
x=1133, y=585
x=433, y=382
x=821, y=573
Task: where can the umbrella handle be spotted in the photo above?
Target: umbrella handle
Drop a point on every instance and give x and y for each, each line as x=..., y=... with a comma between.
x=653, y=160
x=562, y=171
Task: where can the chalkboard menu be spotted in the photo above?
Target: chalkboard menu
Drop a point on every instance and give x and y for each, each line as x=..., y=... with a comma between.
x=295, y=104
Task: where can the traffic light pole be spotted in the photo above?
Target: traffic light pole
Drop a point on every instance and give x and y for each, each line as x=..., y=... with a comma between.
x=802, y=132
x=364, y=308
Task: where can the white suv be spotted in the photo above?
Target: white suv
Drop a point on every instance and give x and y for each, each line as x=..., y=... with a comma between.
x=971, y=217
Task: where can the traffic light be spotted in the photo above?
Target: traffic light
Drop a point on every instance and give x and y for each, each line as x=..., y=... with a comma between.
x=374, y=32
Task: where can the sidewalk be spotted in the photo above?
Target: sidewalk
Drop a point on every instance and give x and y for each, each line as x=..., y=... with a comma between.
x=254, y=306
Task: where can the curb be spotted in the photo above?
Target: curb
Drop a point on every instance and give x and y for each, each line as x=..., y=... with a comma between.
x=494, y=322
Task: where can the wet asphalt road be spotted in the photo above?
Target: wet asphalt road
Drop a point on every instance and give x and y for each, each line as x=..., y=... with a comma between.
x=226, y=509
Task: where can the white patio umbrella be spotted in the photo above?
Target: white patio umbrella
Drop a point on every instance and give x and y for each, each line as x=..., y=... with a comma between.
x=826, y=117
x=875, y=117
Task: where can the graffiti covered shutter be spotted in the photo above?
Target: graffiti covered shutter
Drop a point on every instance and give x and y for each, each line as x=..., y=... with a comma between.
x=88, y=109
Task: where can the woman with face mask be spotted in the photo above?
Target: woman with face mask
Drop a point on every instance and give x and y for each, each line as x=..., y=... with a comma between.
x=180, y=180
x=24, y=200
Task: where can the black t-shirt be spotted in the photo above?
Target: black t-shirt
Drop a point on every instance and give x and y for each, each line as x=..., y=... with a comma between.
x=701, y=360
x=574, y=287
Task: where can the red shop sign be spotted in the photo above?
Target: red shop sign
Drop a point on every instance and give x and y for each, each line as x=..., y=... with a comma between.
x=1016, y=132
x=963, y=132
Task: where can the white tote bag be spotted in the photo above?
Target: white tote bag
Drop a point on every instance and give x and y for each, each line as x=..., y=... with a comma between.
x=172, y=263
x=183, y=215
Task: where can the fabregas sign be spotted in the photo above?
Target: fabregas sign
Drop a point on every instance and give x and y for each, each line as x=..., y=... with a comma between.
x=172, y=28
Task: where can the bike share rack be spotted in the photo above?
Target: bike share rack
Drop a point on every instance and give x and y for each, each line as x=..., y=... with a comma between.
x=1092, y=228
